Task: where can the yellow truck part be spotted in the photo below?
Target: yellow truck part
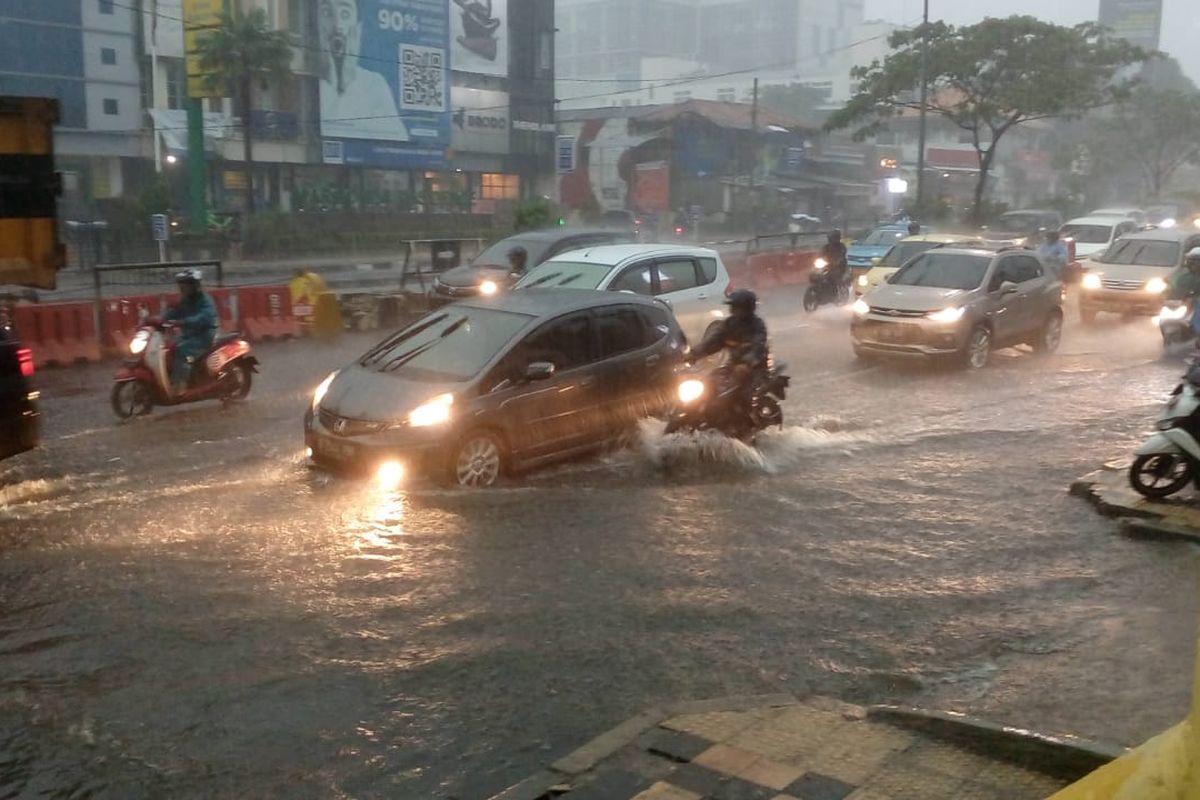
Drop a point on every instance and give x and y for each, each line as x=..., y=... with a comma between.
x=30, y=253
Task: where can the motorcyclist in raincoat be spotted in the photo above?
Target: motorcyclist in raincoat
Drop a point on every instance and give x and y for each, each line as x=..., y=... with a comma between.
x=743, y=337
x=196, y=317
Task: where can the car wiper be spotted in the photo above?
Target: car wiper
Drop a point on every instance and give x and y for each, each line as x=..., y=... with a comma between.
x=570, y=278
x=542, y=280
x=402, y=359
x=379, y=350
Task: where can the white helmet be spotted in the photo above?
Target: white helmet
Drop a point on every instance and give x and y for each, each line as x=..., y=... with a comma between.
x=192, y=275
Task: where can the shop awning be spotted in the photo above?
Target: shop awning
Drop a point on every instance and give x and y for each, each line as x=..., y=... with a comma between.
x=171, y=124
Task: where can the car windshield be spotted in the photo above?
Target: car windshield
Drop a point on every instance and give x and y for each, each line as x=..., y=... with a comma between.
x=882, y=236
x=904, y=251
x=1023, y=222
x=565, y=274
x=944, y=271
x=451, y=345
x=1144, y=252
x=1087, y=234
x=497, y=254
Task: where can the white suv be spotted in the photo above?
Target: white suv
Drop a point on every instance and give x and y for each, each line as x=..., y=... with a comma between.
x=691, y=280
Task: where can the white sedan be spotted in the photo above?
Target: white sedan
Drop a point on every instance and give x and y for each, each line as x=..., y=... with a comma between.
x=691, y=280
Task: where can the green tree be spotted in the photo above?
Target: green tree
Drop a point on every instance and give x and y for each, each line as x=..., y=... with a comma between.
x=238, y=56
x=990, y=77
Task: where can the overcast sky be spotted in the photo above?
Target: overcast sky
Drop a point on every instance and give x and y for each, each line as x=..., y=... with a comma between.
x=1180, y=30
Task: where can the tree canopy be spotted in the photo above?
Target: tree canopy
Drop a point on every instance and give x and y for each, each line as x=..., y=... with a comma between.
x=990, y=77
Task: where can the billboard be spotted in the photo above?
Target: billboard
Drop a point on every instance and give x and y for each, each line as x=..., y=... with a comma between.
x=478, y=120
x=479, y=37
x=200, y=17
x=1139, y=22
x=383, y=82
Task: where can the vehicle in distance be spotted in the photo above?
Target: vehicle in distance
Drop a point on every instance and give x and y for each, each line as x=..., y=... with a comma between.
x=692, y=281
x=1135, y=215
x=902, y=251
x=490, y=272
x=489, y=385
x=1132, y=276
x=861, y=253
x=19, y=418
x=960, y=304
x=1094, y=235
x=1023, y=228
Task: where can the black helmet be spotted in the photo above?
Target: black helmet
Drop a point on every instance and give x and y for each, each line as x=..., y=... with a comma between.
x=835, y=235
x=743, y=300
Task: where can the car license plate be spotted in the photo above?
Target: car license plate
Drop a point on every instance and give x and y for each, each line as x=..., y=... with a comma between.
x=889, y=333
x=337, y=450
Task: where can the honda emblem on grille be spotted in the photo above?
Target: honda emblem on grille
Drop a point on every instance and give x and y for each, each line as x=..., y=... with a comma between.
x=891, y=312
x=339, y=427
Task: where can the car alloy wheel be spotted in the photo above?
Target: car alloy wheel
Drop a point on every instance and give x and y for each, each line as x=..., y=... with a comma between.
x=1051, y=335
x=979, y=348
x=479, y=461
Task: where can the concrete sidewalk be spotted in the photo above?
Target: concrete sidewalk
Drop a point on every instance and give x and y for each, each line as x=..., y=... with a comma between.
x=781, y=748
x=1108, y=489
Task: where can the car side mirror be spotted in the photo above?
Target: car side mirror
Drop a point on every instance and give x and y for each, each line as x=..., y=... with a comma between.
x=539, y=371
x=876, y=261
x=1008, y=287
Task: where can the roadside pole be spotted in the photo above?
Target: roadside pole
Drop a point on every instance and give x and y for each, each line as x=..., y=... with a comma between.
x=197, y=210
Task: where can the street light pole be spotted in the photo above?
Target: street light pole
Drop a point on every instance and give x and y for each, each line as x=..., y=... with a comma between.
x=754, y=161
x=924, y=101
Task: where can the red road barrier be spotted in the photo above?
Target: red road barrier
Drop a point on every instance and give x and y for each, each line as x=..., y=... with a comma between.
x=739, y=272
x=265, y=312
x=762, y=268
x=795, y=265
x=59, y=333
x=121, y=316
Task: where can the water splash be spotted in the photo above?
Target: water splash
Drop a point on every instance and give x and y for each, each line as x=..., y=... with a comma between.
x=33, y=491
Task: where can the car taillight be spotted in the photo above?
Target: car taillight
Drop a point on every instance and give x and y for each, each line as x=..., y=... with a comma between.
x=729, y=288
x=1070, y=250
x=25, y=361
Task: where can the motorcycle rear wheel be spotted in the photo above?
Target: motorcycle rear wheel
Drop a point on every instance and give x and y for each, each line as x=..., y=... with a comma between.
x=1159, y=475
x=240, y=378
x=130, y=399
x=812, y=299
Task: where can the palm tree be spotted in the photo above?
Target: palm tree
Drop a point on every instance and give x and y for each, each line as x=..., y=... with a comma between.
x=235, y=57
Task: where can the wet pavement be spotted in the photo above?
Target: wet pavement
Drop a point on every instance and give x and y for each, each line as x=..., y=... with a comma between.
x=186, y=611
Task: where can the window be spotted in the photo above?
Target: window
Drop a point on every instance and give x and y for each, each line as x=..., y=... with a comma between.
x=1143, y=252
x=726, y=95
x=176, y=81
x=497, y=186
x=110, y=107
x=682, y=97
x=296, y=20
x=545, y=52
x=108, y=56
x=216, y=105
x=676, y=276
x=708, y=267
x=656, y=324
x=620, y=331
x=450, y=346
x=106, y=6
x=565, y=343
x=1025, y=268
x=636, y=279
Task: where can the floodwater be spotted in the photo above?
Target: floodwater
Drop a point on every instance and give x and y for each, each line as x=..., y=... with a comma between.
x=187, y=611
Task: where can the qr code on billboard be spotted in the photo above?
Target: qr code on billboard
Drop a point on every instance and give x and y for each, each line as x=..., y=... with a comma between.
x=422, y=78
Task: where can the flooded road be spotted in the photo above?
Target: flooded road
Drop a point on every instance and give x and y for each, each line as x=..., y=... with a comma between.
x=186, y=611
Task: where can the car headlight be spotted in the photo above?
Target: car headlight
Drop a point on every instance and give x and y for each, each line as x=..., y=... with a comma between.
x=322, y=388
x=389, y=475
x=820, y=264
x=1156, y=286
x=863, y=282
x=861, y=308
x=946, y=315
x=488, y=288
x=434, y=412
x=137, y=345
x=1176, y=312
x=691, y=390
x=1169, y=222
x=1091, y=282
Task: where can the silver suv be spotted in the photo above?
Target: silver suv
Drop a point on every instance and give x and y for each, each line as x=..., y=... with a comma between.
x=959, y=303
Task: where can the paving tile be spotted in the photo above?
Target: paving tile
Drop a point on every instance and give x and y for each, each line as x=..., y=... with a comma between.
x=815, y=786
x=784, y=797
x=772, y=774
x=849, y=766
x=869, y=794
x=714, y=725
x=675, y=745
x=726, y=759
x=649, y=766
x=665, y=791
x=610, y=784
x=901, y=782
x=946, y=759
x=716, y=786
x=1013, y=778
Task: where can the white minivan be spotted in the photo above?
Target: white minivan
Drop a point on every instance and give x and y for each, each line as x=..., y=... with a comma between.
x=691, y=280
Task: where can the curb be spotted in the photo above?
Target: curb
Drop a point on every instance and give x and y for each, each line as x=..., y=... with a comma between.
x=1147, y=520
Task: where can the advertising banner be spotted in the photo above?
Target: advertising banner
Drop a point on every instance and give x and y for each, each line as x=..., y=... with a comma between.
x=200, y=17
x=1138, y=22
x=479, y=37
x=162, y=20
x=384, y=82
x=478, y=120
x=651, y=189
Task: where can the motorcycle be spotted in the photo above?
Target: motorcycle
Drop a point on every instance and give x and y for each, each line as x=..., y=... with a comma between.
x=1170, y=459
x=223, y=373
x=824, y=288
x=1175, y=325
x=710, y=402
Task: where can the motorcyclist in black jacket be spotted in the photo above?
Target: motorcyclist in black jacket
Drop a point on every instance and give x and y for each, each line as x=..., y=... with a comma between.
x=743, y=337
x=834, y=253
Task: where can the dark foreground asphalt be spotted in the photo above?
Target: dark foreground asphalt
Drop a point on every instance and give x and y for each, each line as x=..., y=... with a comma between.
x=186, y=611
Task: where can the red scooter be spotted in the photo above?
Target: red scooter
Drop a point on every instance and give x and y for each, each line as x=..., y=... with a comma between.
x=223, y=373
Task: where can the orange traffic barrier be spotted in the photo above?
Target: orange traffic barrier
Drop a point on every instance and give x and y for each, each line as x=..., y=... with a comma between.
x=121, y=316
x=762, y=267
x=59, y=333
x=795, y=266
x=265, y=312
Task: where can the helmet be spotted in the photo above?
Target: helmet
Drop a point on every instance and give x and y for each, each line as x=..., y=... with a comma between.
x=743, y=300
x=518, y=252
x=192, y=275
x=835, y=235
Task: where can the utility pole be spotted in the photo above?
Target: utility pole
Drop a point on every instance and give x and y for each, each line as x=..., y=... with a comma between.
x=754, y=160
x=924, y=102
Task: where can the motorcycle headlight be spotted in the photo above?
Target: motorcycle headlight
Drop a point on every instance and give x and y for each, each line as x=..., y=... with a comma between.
x=434, y=412
x=820, y=264
x=863, y=282
x=1156, y=286
x=947, y=315
x=1177, y=312
x=488, y=288
x=137, y=345
x=1091, y=282
x=861, y=308
x=322, y=388
x=691, y=390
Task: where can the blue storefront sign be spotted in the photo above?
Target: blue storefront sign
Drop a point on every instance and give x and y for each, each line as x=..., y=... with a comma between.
x=385, y=83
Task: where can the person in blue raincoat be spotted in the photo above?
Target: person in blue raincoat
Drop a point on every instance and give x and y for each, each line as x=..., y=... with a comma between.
x=196, y=317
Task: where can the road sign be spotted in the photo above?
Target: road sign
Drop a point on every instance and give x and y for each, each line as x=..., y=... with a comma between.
x=159, y=227
x=565, y=154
